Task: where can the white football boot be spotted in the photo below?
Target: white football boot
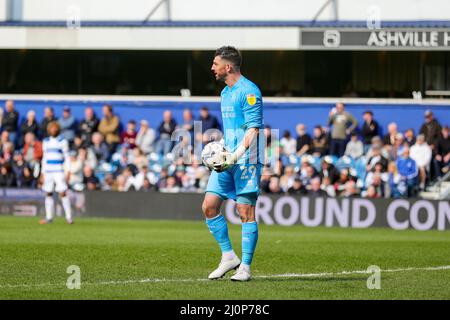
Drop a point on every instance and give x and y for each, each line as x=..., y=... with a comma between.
x=242, y=274
x=224, y=267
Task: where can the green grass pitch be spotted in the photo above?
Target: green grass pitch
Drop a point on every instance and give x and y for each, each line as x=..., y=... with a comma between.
x=134, y=259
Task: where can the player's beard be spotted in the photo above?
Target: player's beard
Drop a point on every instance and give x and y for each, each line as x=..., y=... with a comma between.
x=221, y=77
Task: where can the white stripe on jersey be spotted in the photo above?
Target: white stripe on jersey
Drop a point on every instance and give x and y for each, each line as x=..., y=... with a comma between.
x=56, y=151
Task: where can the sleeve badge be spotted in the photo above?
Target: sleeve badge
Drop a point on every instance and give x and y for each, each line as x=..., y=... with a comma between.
x=251, y=99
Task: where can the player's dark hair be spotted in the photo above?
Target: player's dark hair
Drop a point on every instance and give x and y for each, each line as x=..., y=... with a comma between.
x=230, y=54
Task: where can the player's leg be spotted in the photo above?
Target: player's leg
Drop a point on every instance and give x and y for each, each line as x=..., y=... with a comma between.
x=216, y=192
x=48, y=187
x=247, y=179
x=61, y=188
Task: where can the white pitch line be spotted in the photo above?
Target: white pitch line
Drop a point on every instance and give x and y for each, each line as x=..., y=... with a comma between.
x=272, y=276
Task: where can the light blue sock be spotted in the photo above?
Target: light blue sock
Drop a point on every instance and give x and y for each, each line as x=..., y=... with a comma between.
x=249, y=239
x=219, y=229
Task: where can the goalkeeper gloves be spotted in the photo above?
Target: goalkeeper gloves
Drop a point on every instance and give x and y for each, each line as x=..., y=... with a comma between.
x=230, y=159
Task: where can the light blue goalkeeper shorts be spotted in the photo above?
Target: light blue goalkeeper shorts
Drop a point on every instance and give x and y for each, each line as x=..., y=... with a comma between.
x=240, y=183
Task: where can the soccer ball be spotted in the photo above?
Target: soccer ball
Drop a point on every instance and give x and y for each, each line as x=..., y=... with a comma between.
x=212, y=154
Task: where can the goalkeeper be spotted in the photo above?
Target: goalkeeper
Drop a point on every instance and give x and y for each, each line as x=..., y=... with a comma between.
x=238, y=177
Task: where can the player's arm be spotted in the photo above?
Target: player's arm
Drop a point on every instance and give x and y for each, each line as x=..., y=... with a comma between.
x=252, y=108
x=67, y=163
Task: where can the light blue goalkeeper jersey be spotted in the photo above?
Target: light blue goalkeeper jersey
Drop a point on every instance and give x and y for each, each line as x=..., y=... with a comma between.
x=242, y=108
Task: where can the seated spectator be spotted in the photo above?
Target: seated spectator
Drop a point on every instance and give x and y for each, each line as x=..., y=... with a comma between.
x=303, y=143
x=162, y=180
x=274, y=185
x=4, y=138
x=288, y=144
x=378, y=182
x=355, y=147
x=408, y=171
x=393, y=180
x=139, y=158
x=145, y=137
x=376, y=158
x=376, y=171
x=316, y=190
x=389, y=138
x=372, y=193
x=265, y=180
x=147, y=186
x=49, y=116
x=297, y=188
x=340, y=119
x=188, y=124
x=350, y=190
x=208, y=120
x=421, y=153
x=87, y=157
x=74, y=171
x=397, y=149
x=442, y=156
x=90, y=180
x=369, y=129
x=7, y=177
x=199, y=174
x=319, y=144
x=7, y=154
x=32, y=150
x=109, y=128
x=18, y=166
x=430, y=129
x=29, y=125
x=329, y=170
x=99, y=147
x=128, y=137
x=344, y=177
x=328, y=187
x=144, y=174
x=307, y=173
x=108, y=183
x=88, y=126
x=287, y=179
x=67, y=125
x=410, y=137
x=166, y=128
x=10, y=121
x=171, y=186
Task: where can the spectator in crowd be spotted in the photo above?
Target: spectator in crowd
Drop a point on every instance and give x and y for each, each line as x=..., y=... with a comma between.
x=144, y=174
x=442, y=156
x=389, y=138
x=307, y=172
x=1, y=118
x=265, y=179
x=108, y=183
x=350, y=190
x=128, y=137
x=340, y=119
x=274, y=185
x=377, y=171
x=188, y=124
x=90, y=180
x=99, y=147
x=376, y=157
x=328, y=187
x=408, y=172
x=421, y=153
x=372, y=193
x=29, y=125
x=166, y=128
x=147, y=186
x=75, y=172
x=319, y=144
x=4, y=138
x=49, y=116
x=287, y=179
x=370, y=129
x=329, y=170
x=68, y=125
x=87, y=157
x=7, y=176
x=303, y=145
x=410, y=137
x=288, y=144
x=7, y=154
x=199, y=174
x=397, y=148
x=109, y=128
x=297, y=188
x=10, y=121
x=32, y=149
x=355, y=147
x=88, y=126
x=145, y=137
x=316, y=190
x=431, y=129
x=208, y=120
x=393, y=179
x=163, y=175
x=377, y=143
x=139, y=158
x=171, y=186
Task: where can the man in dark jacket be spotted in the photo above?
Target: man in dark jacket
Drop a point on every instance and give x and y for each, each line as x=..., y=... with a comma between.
x=369, y=129
x=49, y=116
x=431, y=129
x=208, y=121
x=88, y=126
x=10, y=121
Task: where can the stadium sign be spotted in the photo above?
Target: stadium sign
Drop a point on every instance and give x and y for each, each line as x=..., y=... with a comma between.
x=377, y=39
x=398, y=214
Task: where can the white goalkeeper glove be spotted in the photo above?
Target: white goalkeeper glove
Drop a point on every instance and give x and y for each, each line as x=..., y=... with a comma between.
x=230, y=159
